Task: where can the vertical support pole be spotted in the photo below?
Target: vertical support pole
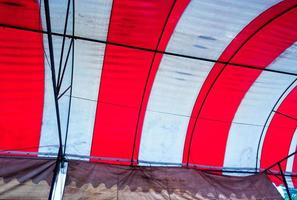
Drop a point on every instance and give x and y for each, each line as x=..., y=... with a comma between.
x=59, y=186
x=284, y=180
x=72, y=71
x=60, y=157
x=53, y=71
x=62, y=48
x=60, y=171
x=55, y=176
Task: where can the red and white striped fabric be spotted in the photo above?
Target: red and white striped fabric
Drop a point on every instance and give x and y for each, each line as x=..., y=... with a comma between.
x=175, y=82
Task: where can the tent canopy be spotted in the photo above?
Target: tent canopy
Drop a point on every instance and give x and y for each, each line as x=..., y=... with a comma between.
x=207, y=84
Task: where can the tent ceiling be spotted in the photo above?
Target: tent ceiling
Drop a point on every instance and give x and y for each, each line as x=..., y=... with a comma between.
x=177, y=82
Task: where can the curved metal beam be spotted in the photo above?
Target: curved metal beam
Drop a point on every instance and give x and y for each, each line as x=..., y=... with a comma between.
x=266, y=122
x=147, y=79
x=223, y=68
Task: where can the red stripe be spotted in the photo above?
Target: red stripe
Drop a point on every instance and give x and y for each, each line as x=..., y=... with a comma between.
x=280, y=132
x=21, y=77
x=176, y=13
x=125, y=73
x=122, y=81
x=207, y=137
x=20, y=13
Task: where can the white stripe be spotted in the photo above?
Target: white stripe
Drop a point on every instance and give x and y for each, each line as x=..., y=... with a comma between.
x=92, y=18
x=254, y=109
x=178, y=82
x=207, y=27
x=293, y=146
x=271, y=117
x=88, y=60
x=87, y=70
x=286, y=61
x=290, y=161
x=49, y=140
x=49, y=124
x=58, y=10
x=202, y=32
x=49, y=132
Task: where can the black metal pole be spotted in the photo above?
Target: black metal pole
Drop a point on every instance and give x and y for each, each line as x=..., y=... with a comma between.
x=60, y=156
x=55, y=175
x=269, y=117
x=284, y=180
x=63, y=44
x=146, y=82
x=72, y=71
x=285, y=158
x=230, y=64
x=52, y=61
x=60, y=81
